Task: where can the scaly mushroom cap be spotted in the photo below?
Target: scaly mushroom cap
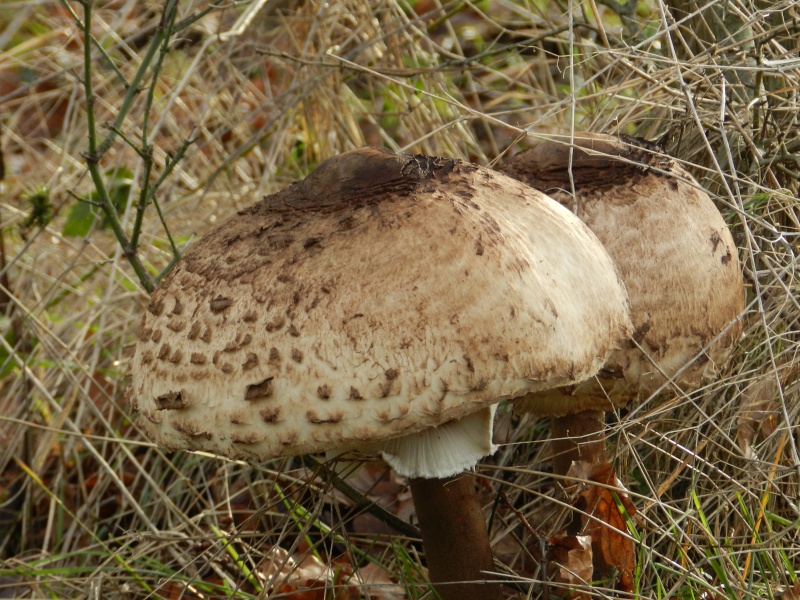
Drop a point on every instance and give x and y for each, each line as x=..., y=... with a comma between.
x=381, y=296
x=672, y=249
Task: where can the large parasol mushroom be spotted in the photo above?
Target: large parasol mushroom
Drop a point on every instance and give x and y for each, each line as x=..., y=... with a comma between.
x=675, y=255
x=679, y=264
x=384, y=304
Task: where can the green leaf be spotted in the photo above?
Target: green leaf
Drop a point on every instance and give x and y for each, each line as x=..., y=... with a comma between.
x=82, y=215
x=79, y=220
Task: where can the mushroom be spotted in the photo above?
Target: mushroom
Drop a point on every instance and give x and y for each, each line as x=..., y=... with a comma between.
x=384, y=304
x=679, y=264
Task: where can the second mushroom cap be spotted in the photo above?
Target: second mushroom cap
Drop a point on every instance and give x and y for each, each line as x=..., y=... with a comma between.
x=673, y=251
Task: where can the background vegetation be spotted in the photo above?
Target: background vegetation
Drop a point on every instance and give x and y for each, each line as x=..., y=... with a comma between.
x=198, y=108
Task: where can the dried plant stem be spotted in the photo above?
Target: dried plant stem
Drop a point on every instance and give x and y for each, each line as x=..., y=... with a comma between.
x=360, y=502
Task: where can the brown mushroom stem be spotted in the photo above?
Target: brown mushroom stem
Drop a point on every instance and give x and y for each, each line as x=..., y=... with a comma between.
x=455, y=538
x=578, y=437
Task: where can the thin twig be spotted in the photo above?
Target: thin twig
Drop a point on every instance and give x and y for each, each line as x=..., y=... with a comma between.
x=360, y=502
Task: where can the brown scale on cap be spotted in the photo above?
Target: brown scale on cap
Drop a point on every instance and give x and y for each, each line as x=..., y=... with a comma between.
x=250, y=362
x=344, y=307
x=259, y=391
x=163, y=352
x=156, y=307
x=278, y=323
x=274, y=355
x=176, y=325
x=317, y=418
x=246, y=439
x=176, y=357
x=673, y=251
x=190, y=431
x=153, y=417
x=219, y=304
x=172, y=401
x=241, y=340
x=238, y=418
x=270, y=415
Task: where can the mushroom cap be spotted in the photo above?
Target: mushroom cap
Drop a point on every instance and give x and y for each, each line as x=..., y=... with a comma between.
x=381, y=296
x=673, y=250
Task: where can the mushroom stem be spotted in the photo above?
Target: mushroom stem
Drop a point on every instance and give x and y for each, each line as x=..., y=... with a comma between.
x=578, y=437
x=455, y=538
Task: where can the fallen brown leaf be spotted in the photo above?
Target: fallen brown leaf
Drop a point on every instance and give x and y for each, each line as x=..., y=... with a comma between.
x=758, y=413
x=570, y=561
x=380, y=484
x=613, y=552
x=298, y=578
x=378, y=585
x=791, y=593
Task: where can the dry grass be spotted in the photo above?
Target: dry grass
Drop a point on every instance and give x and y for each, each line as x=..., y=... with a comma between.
x=91, y=509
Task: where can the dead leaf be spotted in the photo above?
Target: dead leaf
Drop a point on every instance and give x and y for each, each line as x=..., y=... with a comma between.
x=381, y=485
x=612, y=552
x=297, y=578
x=760, y=405
x=791, y=593
x=570, y=561
x=378, y=585
x=758, y=413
